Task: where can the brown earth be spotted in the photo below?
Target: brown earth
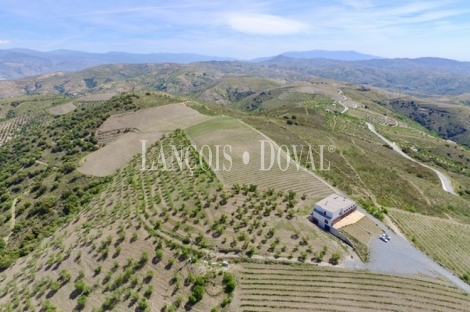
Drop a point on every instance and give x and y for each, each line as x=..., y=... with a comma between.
x=148, y=124
x=62, y=109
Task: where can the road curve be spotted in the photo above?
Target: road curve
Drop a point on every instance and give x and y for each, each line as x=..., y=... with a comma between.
x=340, y=92
x=446, y=184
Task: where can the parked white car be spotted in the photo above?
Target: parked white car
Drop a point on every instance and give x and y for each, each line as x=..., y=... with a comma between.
x=384, y=238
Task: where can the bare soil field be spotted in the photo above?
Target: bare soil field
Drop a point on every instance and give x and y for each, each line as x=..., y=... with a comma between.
x=265, y=287
x=97, y=97
x=62, y=109
x=351, y=219
x=361, y=233
x=81, y=101
x=148, y=124
x=245, y=145
x=163, y=118
x=117, y=154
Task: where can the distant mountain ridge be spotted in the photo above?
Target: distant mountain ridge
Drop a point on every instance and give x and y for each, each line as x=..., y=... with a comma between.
x=323, y=54
x=420, y=76
x=332, y=55
x=19, y=63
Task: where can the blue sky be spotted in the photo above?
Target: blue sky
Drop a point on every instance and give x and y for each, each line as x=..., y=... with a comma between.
x=241, y=29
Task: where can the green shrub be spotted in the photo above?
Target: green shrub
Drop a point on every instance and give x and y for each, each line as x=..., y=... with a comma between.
x=197, y=294
x=81, y=301
x=98, y=269
x=334, y=259
x=55, y=286
x=250, y=252
x=226, y=301
x=65, y=276
x=143, y=304
x=466, y=278
x=229, y=283
x=148, y=291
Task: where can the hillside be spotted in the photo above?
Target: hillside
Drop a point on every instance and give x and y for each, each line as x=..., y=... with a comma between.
x=85, y=227
x=421, y=76
x=21, y=63
x=271, y=84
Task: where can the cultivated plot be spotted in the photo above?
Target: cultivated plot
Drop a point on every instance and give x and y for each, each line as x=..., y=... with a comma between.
x=11, y=127
x=444, y=240
x=84, y=101
x=62, y=109
x=148, y=124
x=309, y=288
x=250, y=152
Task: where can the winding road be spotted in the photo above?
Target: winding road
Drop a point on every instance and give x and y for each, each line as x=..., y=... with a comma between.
x=399, y=256
x=340, y=92
x=446, y=184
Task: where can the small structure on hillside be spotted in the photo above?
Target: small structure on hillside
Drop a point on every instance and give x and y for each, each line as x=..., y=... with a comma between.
x=330, y=210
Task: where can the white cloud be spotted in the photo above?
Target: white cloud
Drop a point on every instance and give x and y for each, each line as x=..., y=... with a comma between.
x=4, y=41
x=263, y=24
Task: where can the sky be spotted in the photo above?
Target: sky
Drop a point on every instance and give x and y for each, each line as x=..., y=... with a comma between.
x=240, y=29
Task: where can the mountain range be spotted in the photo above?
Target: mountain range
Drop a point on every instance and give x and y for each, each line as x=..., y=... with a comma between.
x=19, y=63
x=421, y=76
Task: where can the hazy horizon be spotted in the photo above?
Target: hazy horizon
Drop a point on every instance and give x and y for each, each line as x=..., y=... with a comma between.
x=242, y=30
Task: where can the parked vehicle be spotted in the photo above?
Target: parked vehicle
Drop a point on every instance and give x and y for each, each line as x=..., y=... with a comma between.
x=384, y=238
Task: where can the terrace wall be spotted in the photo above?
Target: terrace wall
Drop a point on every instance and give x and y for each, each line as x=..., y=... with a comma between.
x=341, y=236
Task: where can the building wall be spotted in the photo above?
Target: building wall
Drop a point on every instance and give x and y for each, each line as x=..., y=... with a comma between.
x=341, y=236
x=322, y=220
x=323, y=217
x=318, y=210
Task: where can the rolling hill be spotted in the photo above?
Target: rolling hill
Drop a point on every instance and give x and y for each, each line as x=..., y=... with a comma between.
x=77, y=236
x=268, y=85
x=20, y=63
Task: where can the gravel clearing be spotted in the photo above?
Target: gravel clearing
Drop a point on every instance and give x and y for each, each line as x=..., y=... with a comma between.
x=400, y=257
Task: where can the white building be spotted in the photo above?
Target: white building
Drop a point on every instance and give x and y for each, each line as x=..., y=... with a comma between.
x=330, y=210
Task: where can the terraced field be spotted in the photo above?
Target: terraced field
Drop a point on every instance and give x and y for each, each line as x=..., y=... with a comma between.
x=234, y=219
x=241, y=138
x=390, y=95
x=129, y=249
x=123, y=133
x=310, y=288
x=363, y=230
x=381, y=120
x=361, y=234
x=10, y=127
x=82, y=102
x=446, y=241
